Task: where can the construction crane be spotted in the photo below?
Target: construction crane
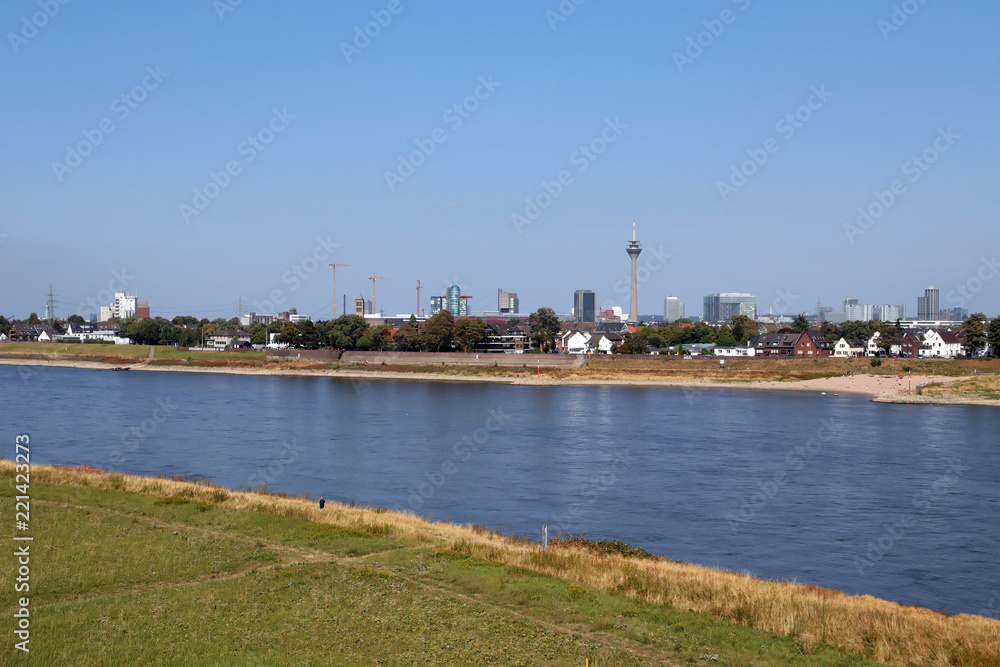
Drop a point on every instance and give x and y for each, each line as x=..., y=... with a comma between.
x=374, y=279
x=335, y=288
x=418, y=299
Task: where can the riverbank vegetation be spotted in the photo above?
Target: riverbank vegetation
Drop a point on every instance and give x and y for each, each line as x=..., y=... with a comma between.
x=140, y=569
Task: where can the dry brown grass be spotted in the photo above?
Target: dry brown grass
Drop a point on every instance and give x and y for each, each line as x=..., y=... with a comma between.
x=880, y=630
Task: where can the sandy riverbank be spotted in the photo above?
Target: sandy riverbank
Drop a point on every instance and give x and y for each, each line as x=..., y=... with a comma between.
x=880, y=388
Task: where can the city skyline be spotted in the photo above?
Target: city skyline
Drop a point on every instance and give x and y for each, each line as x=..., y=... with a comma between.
x=207, y=157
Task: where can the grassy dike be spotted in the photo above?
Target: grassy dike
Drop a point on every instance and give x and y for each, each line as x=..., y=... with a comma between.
x=128, y=570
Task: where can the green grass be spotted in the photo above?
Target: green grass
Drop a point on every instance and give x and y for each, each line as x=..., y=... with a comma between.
x=123, y=578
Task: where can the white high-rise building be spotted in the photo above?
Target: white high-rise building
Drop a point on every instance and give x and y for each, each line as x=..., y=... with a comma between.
x=673, y=309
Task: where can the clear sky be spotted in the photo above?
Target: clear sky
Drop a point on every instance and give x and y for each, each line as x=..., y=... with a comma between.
x=115, y=113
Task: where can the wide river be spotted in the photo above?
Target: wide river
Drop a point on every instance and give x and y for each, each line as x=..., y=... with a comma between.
x=899, y=501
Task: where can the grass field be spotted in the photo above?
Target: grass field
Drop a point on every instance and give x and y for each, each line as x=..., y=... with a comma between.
x=129, y=570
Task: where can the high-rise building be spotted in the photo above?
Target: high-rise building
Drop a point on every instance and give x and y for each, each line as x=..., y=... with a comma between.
x=142, y=310
x=860, y=312
x=890, y=313
x=722, y=306
x=584, y=306
x=928, y=305
x=673, y=309
x=633, y=249
x=437, y=304
x=507, y=302
x=453, y=299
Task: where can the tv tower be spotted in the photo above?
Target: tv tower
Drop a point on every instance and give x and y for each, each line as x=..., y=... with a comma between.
x=633, y=249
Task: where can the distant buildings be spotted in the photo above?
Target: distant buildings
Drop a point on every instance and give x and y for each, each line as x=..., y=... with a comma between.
x=928, y=304
x=453, y=302
x=362, y=306
x=124, y=306
x=507, y=302
x=673, y=309
x=723, y=306
x=584, y=306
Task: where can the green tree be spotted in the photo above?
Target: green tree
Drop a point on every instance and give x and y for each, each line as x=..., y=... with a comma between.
x=185, y=320
x=75, y=320
x=33, y=319
x=887, y=336
x=376, y=338
x=725, y=337
x=544, y=328
x=993, y=335
x=742, y=326
x=467, y=332
x=413, y=321
x=640, y=340
x=976, y=327
x=436, y=333
x=800, y=324
x=406, y=338
x=345, y=332
x=141, y=332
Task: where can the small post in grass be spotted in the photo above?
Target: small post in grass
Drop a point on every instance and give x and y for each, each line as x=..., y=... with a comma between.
x=545, y=536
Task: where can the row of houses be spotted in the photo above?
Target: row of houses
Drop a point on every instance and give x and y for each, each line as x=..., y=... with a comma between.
x=932, y=343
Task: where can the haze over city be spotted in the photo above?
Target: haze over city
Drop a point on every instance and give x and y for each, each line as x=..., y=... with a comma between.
x=200, y=154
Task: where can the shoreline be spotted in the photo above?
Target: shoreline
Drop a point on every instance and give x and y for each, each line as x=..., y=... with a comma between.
x=879, y=388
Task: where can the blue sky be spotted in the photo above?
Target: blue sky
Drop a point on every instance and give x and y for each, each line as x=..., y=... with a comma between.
x=667, y=120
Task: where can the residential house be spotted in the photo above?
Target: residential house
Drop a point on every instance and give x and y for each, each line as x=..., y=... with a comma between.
x=774, y=345
x=813, y=344
x=507, y=338
x=875, y=350
x=41, y=333
x=220, y=340
x=942, y=344
x=850, y=347
x=603, y=343
x=573, y=342
x=103, y=331
x=735, y=351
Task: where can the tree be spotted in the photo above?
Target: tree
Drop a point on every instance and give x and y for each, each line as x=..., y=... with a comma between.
x=413, y=321
x=741, y=328
x=513, y=321
x=345, y=332
x=993, y=335
x=975, y=334
x=141, y=332
x=640, y=340
x=436, y=334
x=467, y=332
x=185, y=320
x=33, y=319
x=725, y=337
x=544, y=328
x=406, y=338
x=800, y=324
x=376, y=338
x=887, y=336
x=75, y=320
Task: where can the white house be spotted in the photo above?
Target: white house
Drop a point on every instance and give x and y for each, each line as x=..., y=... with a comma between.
x=735, y=351
x=942, y=344
x=220, y=340
x=873, y=348
x=574, y=342
x=603, y=342
x=104, y=332
x=853, y=347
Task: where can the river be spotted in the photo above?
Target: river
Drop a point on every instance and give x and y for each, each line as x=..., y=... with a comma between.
x=898, y=501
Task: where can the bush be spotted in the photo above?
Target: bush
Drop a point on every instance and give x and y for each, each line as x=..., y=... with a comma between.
x=876, y=362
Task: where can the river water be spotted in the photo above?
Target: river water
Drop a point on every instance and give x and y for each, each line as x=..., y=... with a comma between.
x=898, y=501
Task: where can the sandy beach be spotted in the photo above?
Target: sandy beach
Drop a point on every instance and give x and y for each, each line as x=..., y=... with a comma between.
x=880, y=388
